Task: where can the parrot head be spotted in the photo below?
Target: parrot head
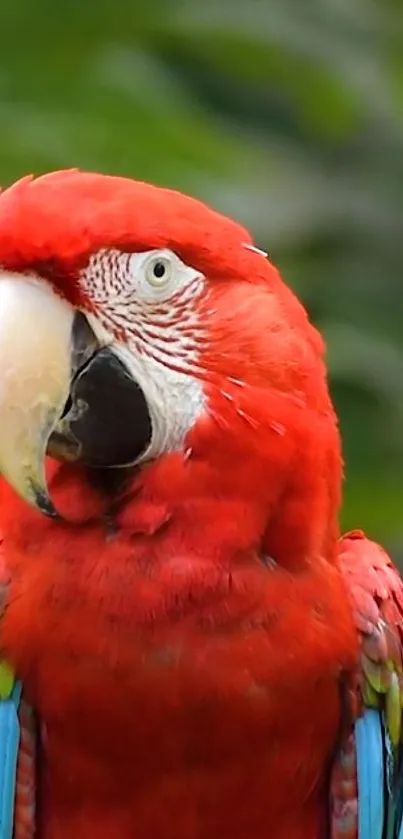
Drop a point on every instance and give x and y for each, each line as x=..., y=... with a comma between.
x=141, y=330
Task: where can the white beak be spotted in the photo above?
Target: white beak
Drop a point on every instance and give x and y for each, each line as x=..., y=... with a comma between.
x=35, y=357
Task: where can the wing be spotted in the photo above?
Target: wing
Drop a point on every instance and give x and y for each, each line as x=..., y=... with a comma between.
x=367, y=779
x=17, y=747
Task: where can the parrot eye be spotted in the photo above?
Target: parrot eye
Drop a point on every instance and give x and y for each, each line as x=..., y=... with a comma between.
x=158, y=271
x=112, y=276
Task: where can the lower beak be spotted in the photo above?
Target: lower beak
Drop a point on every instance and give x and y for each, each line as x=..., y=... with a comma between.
x=61, y=392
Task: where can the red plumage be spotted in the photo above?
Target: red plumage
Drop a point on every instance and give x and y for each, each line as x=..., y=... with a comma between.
x=56, y=222
x=187, y=664
x=186, y=689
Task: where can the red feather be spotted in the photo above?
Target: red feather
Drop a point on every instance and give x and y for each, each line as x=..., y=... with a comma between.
x=188, y=688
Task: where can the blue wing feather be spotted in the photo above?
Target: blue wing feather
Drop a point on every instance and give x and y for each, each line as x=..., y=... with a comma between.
x=370, y=775
x=9, y=743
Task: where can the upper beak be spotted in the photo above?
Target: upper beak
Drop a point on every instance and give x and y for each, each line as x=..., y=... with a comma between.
x=35, y=342
x=60, y=391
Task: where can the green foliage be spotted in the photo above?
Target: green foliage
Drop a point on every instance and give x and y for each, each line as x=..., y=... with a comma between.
x=286, y=114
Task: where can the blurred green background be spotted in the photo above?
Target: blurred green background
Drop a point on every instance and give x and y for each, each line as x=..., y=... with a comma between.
x=286, y=114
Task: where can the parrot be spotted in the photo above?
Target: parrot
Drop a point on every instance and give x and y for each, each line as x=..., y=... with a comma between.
x=201, y=654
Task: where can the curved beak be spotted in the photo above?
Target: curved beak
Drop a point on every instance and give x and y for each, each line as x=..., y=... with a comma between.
x=35, y=349
x=60, y=391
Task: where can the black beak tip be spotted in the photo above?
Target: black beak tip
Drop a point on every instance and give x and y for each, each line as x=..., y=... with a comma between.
x=44, y=504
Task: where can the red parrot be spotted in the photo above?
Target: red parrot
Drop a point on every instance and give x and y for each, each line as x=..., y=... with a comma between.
x=197, y=644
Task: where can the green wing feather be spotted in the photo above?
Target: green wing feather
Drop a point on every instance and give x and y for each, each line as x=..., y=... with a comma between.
x=376, y=591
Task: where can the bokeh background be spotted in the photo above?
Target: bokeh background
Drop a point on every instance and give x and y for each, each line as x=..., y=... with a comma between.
x=287, y=114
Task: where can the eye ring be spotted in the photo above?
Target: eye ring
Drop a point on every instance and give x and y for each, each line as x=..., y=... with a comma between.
x=158, y=271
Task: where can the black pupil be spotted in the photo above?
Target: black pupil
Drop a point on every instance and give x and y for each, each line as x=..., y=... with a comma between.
x=159, y=270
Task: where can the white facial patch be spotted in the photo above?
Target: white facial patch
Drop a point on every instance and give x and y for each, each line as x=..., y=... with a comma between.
x=145, y=308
